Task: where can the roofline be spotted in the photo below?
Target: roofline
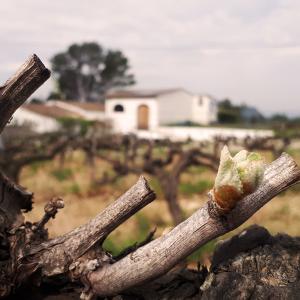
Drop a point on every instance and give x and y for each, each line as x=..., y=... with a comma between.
x=145, y=96
x=36, y=113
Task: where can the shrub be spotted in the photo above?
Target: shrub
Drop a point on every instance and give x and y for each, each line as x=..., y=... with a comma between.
x=62, y=174
x=116, y=246
x=143, y=225
x=74, y=188
x=35, y=166
x=73, y=123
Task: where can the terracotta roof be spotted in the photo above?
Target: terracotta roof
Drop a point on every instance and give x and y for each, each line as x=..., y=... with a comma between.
x=140, y=93
x=51, y=111
x=92, y=106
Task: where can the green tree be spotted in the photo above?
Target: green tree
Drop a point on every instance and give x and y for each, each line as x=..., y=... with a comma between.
x=86, y=71
x=228, y=113
x=231, y=113
x=279, y=118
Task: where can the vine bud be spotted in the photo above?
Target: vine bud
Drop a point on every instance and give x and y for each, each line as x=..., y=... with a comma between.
x=237, y=177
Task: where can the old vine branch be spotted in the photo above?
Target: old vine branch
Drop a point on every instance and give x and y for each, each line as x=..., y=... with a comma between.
x=160, y=255
x=19, y=87
x=54, y=256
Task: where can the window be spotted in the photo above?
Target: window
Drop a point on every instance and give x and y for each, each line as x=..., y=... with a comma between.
x=200, y=101
x=119, y=108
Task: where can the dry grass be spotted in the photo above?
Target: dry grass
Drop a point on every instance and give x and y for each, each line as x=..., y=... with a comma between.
x=83, y=201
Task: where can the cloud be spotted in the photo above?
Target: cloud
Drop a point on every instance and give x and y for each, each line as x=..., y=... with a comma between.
x=246, y=50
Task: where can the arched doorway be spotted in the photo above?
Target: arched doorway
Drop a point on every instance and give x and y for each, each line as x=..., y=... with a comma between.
x=143, y=117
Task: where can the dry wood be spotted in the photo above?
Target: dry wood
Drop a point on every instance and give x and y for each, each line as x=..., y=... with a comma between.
x=13, y=200
x=27, y=151
x=56, y=255
x=19, y=87
x=159, y=256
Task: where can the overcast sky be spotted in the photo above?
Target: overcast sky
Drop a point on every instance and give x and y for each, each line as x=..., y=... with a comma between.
x=247, y=50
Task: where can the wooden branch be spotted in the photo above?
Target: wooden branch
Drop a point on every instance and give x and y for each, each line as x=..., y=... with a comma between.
x=54, y=256
x=21, y=86
x=51, y=208
x=14, y=199
x=13, y=162
x=206, y=162
x=160, y=255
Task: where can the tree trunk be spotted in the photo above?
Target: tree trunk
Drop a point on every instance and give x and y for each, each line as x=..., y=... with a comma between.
x=169, y=185
x=62, y=158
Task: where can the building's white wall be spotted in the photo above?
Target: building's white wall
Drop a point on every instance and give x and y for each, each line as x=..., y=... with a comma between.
x=37, y=122
x=175, y=107
x=126, y=121
x=94, y=115
x=201, y=133
x=205, y=110
x=87, y=114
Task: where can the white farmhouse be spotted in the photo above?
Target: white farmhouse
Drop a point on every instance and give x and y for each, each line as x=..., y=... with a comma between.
x=44, y=117
x=129, y=110
x=40, y=117
x=145, y=113
x=87, y=110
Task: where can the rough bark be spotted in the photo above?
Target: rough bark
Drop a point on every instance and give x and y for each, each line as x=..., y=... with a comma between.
x=28, y=253
x=259, y=267
x=14, y=200
x=56, y=255
x=19, y=87
x=250, y=265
